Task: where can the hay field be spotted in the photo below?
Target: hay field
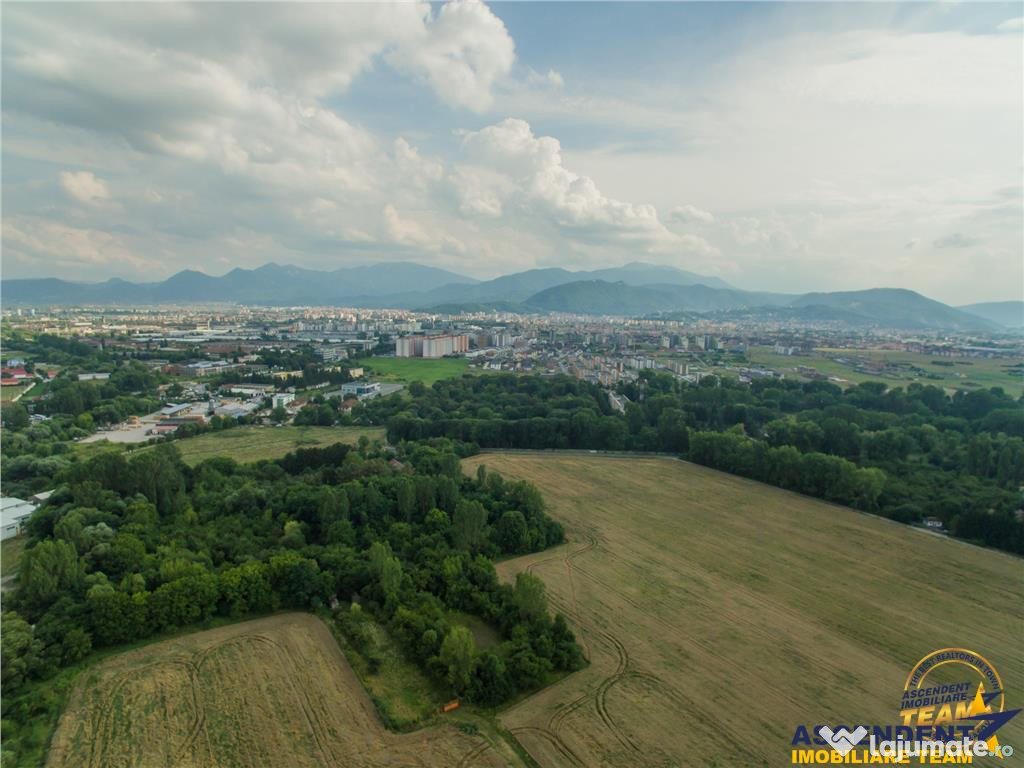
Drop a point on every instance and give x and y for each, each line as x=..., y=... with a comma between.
x=248, y=444
x=275, y=692
x=719, y=613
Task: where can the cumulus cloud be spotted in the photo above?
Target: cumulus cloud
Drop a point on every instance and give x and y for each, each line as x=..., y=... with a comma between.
x=549, y=79
x=689, y=214
x=83, y=186
x=242, y=124
x=53, y=246
x=416, y=168
x=527, y=171
x=461, y=51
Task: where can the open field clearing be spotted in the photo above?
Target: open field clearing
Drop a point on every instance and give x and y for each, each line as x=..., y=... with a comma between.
x=10, y=554
x=9, y=393
x=271, y=692
x=408, y=369
x=247, y=444
x=899, y=369
x=719, y=613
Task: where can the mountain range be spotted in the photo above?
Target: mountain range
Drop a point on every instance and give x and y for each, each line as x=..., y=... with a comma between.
x=1006, y=313
x=633, y=289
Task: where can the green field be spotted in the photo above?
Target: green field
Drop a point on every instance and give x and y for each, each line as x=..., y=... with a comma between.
x=9, y=393
x=902, y=368
x=248, y=444
x=10, y=554
x=406, y=369
x=719, y=613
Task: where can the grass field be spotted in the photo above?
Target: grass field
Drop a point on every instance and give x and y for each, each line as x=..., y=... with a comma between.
x=248, y=444
x=903, y=368
x=268, y=693
x=719, y=613
x=408, y=369
x=10, y=554
x=9, y=393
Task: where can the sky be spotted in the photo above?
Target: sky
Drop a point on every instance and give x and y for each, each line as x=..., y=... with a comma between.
x=787, y=147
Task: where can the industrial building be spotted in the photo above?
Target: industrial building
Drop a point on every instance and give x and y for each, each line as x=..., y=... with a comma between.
x=14, y=513
x=361, y=389
x=282, y=399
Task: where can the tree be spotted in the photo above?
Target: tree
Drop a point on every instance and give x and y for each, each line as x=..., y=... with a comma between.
x=468, y=524
x=457, y=653
x=116, y=617
x=157, y=475
x=279, y=415
x=15, y=416
x=386, y=568
x=293, y=537
x=512, y=532
x=529, y=596
x=406, y=498
x=295, y=579
x=246, y=588
x=21, y=651
x=184, y=601
x=490, y=680
x=48, y=569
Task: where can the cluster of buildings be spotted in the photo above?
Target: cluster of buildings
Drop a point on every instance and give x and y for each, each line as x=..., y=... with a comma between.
x=14, y=376
x=14, y=512
x=432, y=346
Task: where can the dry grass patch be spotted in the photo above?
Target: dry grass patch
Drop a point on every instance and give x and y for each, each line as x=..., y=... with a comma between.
x=718, y=613
x=271, y=692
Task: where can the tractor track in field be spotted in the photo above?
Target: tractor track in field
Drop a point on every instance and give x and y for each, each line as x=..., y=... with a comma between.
x=105, y=715
x=473, y=754
x=622, y=668
x=553, y=739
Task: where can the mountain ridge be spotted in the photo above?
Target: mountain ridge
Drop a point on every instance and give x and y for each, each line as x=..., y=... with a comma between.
x=635, y=289
x=377, y=285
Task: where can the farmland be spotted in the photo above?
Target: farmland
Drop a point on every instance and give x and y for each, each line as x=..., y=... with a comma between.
x=270, y=692
x=249, y=444
x=719, y=613
x=9, y=393
x=407, y=369
x=899, y=369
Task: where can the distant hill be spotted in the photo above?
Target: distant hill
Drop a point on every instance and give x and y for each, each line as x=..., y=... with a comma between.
x=388, y=284
x=639, y=273
x=521, y=285
x=896, y=308
x=271, y=284
x=459, y=308
x=635, y=289
x=1007, y=313
x=599, y=297
x=884, y=307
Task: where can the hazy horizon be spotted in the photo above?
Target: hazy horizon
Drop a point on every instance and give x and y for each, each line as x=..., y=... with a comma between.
x=780, y=147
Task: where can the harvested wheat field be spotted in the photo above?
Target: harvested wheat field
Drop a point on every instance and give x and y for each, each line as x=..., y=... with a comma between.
x=719, y=613
x=264, y=693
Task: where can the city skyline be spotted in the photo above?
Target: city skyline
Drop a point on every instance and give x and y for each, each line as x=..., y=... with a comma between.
x=787, y=148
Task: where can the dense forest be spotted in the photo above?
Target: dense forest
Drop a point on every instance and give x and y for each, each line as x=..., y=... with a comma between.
x=907, y=454
x=129, y=548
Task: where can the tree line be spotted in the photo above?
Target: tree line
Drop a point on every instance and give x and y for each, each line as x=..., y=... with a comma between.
x=907, y=454
x=127, y=548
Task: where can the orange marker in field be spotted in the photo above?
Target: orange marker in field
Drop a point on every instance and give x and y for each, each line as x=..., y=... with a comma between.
x=453, y=704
